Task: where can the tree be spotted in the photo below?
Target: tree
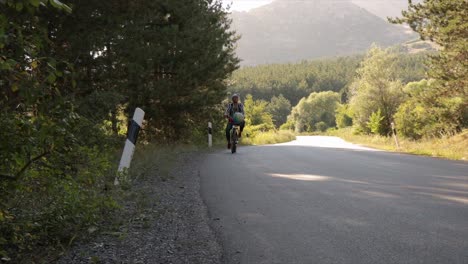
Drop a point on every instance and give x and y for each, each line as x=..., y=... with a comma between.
x=53, y=162
x=376, y=87
x=168, y=57
x=295, y=81
x=279, y=108
x=444, y=22
x=257, y=117
x=314, y=109
x=414, y=119
x=66, y=75
x=343, y=116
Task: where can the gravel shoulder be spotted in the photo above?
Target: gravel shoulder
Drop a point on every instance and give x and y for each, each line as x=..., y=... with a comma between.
x=164, y=220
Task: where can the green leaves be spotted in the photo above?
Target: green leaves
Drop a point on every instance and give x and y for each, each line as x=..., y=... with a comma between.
x=51, y=78
x=257, y=116
x=59, y=5
x=68, y=80
x=445, y=23
x=377, y=86
x=19, y=6
x=279, y=108
x=35, y=3
x=314, y=109
x=375, y=123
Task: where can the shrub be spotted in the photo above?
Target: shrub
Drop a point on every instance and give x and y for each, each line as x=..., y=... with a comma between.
x=375, y=123
x=271, y=137
x=321, y=126
x=343, y=116
x=419, y=117
x=289, y=125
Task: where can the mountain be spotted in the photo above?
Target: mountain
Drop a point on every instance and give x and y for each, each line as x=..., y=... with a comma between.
x=290, y=30
x=383, y=8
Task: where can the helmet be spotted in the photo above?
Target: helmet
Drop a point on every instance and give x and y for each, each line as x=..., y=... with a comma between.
x=234, y=95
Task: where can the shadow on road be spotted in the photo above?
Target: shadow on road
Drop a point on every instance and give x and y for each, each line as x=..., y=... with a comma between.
x=378, y=174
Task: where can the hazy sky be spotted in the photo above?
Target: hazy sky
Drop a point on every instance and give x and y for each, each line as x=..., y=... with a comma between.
x=245, y=5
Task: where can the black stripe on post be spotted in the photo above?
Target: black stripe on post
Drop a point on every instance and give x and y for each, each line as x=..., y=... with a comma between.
x=133, y=130
x=209, y=130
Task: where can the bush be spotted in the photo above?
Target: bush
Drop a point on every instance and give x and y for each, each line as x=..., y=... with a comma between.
x=321, y=126
x=343, y=116
x=422, y=45
x=49, y=207
x=52, y=180
x=416, y=118
x=316, y=108
x=452, y=147
x=270, y=137
x=375, y=123
x=289, y=125
x=411, y=119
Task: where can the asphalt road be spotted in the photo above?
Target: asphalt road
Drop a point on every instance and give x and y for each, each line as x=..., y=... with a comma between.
x=322, y=200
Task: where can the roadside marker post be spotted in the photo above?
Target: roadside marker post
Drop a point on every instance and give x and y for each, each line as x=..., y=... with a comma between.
x=132, y=136
x=395, y=135
x=210, y=136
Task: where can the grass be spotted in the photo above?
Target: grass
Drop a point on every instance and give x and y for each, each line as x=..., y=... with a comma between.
x=455, y=147
x=270, y=137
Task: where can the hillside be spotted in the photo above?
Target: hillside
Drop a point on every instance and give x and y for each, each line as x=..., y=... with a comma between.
x=288, y=31
x=384, y=8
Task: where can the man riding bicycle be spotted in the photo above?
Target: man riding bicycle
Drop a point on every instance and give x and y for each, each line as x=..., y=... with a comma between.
x=234, y=107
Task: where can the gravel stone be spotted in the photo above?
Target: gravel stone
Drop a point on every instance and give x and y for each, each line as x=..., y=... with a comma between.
x=172, y=227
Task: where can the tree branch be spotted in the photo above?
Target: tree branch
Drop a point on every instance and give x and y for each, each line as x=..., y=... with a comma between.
x=25, y=167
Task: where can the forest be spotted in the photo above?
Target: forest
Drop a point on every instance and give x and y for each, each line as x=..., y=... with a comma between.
x=71, y=74
x=425, y=95
x=283, y=88
x=295, y=81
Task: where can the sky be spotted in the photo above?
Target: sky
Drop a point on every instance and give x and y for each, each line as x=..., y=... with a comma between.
x=245, y=5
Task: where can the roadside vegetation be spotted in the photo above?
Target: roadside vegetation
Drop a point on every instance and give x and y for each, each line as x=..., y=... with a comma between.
x=451, y=147
x=71, y=75
x=424, y=95
x=270, y=137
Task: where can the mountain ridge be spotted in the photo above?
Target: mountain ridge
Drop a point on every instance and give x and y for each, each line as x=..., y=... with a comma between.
x=289, y=31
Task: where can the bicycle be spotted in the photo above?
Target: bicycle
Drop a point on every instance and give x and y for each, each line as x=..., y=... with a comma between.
x=234, y=137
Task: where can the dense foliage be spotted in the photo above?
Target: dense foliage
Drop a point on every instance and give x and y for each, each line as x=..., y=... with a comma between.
x=168, y=57
x=376, y=89
x=444, y=22
x=70, y=76
x=316, y=112
x=258, y=119
x=297, y=81
x=279, y=108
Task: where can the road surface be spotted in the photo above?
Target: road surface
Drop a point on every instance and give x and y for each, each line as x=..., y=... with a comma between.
x=322, y=200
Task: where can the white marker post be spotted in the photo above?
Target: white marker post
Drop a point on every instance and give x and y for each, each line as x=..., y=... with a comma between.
x=132, y=136
x=210, y=136
x=395, y=136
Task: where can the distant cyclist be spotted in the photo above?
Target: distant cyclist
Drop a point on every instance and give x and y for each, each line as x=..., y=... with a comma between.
x=234, y=107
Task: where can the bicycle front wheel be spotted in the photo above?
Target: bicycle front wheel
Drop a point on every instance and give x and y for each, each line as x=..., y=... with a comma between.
x=233, y=140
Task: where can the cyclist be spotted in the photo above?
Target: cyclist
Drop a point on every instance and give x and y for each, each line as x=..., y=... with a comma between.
x=233, y=108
